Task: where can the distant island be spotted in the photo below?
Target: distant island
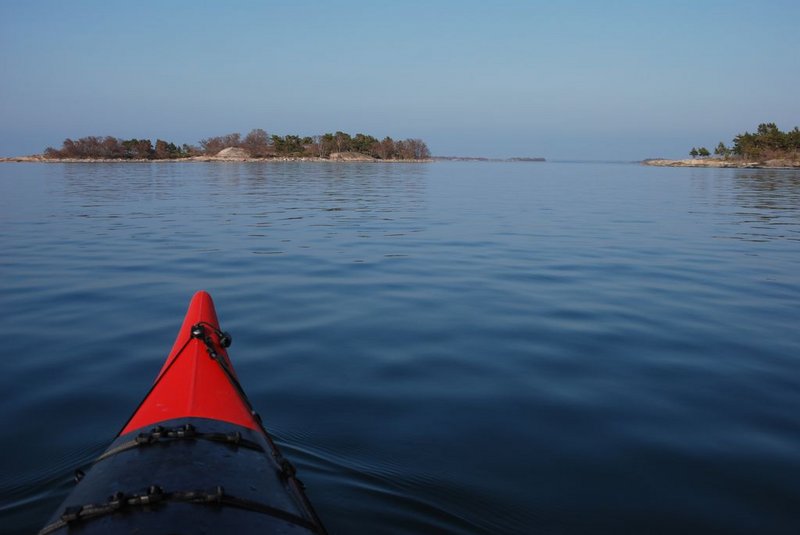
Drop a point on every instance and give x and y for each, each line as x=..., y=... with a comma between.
x=256, y=145
x=482, y=159
x=768, y=147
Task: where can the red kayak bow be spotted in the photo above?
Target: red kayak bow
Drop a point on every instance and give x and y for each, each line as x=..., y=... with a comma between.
x=192, y=383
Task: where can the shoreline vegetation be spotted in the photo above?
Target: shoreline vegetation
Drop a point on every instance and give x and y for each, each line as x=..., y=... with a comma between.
x=768, y=147
x=255, y=146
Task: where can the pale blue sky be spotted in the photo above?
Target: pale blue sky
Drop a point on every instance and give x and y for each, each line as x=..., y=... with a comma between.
x=573, y=79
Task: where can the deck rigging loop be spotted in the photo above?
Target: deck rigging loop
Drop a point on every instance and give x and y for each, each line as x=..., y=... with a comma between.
x=162, y=434
x=198, y=331
x=155, y=495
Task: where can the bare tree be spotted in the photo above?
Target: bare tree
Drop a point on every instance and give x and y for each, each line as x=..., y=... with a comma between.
x=257, y=143
x=213, y=145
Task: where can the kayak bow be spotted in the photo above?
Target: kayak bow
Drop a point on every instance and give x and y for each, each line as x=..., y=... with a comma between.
x=193, y=457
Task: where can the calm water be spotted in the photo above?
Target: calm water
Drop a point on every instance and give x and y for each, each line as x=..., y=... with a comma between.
x=440, y=348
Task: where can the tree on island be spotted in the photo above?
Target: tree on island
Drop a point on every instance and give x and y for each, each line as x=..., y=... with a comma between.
x=768, y=142
x=288, y=145
x=167, y=150
x=703, y=152
x=257, y=143
x=722, y=150
x=132, y=148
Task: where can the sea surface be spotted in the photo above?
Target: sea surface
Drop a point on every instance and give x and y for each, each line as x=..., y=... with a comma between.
x=453, y=347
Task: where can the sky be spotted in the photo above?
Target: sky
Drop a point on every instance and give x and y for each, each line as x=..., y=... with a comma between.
x=608, y=80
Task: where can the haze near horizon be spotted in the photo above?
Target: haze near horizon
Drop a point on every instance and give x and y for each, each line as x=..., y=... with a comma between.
x=577, y=80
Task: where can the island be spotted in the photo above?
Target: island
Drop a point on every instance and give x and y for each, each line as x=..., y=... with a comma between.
x=255, y=146
x=485, y=159
x=767, y=147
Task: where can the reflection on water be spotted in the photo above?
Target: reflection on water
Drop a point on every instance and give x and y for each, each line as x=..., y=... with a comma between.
x=772, y=201
x=755, y=205
x=350, y=201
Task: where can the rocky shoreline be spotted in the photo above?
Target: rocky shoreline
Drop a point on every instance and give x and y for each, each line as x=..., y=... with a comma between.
x=723, y=163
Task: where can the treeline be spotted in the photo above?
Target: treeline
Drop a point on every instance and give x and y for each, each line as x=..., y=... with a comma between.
x=112, y=148
x=257, y=144
x=768, y=142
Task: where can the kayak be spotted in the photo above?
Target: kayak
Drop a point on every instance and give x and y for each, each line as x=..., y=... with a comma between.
x=193, y=457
